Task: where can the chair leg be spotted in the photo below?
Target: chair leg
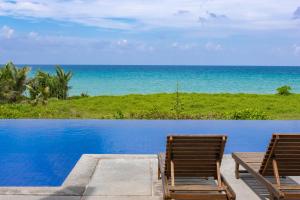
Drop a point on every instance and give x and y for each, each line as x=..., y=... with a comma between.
x=271, y=197
x=237, y=172
x=158, y=173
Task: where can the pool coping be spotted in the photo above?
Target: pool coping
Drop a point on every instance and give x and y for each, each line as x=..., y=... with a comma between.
x=77, y=180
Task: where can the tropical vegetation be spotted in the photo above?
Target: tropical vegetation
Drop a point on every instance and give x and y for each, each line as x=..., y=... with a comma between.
x=284, y=90
x=161, y=106
x=45, y=95
x=15, y=82
x=12, y=82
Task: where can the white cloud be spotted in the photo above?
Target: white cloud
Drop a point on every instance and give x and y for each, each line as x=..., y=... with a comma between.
x=145, y=47
x=175, y=45
x=85, y=44
x=210, y=46
x=65, y=49
x=142, y=15
x=183, y=46
x=7, y=32
x=296, y=49
x=122, y=43
x=33, y=34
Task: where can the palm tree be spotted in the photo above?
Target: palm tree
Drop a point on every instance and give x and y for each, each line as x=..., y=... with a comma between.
x=38, y=85
x=45, y=85
x=12, y=82
x=63, y=82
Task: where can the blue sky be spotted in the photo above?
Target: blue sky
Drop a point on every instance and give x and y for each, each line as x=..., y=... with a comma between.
x=205, y=32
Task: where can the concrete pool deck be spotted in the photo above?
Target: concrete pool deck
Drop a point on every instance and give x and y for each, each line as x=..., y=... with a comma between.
x=124, y=177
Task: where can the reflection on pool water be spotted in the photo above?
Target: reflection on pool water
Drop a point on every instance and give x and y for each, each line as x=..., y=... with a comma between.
x=43, y=152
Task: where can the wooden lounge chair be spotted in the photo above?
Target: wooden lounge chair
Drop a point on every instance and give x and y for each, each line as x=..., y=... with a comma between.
x=281, y=159
x=190, y=159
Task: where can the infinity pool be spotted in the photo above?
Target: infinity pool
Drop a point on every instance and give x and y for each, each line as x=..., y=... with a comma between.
x=43, y=152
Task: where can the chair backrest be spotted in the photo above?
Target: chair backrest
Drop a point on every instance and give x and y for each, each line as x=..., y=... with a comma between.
x=194, y=155
x=285, y=149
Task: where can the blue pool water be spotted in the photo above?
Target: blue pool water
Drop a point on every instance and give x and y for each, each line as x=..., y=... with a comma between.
x=43, y=152
x=117, y=80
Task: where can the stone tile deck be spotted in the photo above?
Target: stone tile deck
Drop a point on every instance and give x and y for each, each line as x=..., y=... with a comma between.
x=124, y=177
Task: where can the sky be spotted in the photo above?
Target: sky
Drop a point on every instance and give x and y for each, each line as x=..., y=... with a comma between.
x=153, y=32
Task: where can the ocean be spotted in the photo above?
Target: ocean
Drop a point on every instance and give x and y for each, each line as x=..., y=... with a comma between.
x=140, y=79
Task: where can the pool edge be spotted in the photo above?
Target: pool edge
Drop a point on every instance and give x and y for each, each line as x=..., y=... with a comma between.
x=76, y=181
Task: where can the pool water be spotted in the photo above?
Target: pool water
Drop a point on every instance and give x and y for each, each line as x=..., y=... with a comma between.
x=43, y=152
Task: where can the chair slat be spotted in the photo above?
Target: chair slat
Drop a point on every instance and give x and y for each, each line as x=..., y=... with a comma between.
x=286, y=151
x=193, y=151
x=194, y=158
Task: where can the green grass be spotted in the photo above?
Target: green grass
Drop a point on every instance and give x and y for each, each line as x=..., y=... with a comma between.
x=160, y=106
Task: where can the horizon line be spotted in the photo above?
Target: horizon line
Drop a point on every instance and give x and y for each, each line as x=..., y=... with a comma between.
x=150, y=65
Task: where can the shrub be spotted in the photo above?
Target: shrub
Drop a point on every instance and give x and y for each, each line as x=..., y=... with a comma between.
x=153, y=113
x=284, y=90
x=84, y=94
x=119, y=115
x=245, y=114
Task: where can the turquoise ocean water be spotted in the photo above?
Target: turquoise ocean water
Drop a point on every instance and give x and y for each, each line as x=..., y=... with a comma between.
x=119, y=80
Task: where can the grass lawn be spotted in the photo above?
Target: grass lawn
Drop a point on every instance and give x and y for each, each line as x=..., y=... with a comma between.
x=162, y=106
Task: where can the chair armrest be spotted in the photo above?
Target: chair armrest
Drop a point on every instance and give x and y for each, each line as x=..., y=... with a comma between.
x=161, y=166
x=228, y=188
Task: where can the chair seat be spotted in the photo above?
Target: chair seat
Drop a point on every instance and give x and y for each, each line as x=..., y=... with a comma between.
x=289, y=187
x=195, y=188
x=199, y=196
x=252, y=159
